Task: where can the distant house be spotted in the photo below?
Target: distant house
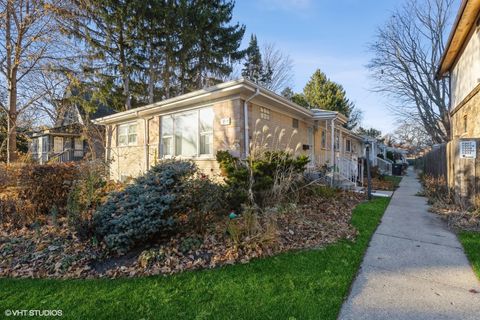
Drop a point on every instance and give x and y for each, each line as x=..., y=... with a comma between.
x=68, y=140
x=461, y=61
x=233, y=116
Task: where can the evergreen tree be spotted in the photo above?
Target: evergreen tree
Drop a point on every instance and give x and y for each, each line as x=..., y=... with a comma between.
x=370, y=132
x=253, y=67
x=216, y=44
x=107, y=28
x=141, y=51
x=321, y=92
x=287, y=93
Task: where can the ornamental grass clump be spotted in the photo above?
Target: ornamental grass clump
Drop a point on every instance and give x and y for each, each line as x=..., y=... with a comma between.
x=145, y=208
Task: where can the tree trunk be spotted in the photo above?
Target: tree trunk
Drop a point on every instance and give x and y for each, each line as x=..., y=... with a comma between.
x=12, y=123
x=151, y=76
x=124, y=73
x=12, y=88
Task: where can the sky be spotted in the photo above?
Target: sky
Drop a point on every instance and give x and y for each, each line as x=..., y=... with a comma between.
x=332, y=35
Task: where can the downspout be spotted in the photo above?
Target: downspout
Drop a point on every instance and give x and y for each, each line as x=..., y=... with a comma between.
x=245, y=120
x=146, y=138
x=333, y=149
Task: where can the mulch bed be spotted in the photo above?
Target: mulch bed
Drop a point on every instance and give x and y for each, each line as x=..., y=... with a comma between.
x=55, y=252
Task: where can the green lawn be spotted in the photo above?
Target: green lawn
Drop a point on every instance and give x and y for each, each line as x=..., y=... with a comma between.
x=471, y=244
x=394, y=179
x=298, y=285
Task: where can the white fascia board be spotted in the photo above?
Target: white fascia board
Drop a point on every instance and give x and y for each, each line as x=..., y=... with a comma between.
x=182, y=99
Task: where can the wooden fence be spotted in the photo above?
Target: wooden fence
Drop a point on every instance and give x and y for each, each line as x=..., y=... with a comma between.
x=461, y=174
x=434, y=163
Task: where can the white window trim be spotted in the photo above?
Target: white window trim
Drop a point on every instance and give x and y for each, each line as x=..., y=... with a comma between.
x=198, y=155
x=118, y=134
x=323, y=134
x=347, y=142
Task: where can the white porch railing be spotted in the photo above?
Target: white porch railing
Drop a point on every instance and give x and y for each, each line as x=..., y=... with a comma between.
x=347, y=168
x=385, y=166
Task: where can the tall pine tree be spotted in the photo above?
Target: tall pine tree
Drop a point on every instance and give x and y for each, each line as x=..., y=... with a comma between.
x=253, y=66
x=142, y=51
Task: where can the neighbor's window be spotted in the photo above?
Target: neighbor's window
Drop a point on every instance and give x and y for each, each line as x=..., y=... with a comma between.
x=465, y=123
x=348, y=145
x=45, y=144
x=35, y=145
x=57, y=144
x=78, y=144
x=295, y=123
x=188, y=134
x=264, y=113
x=337, y=142
x=206, y=130
x=127, y=134
x=324, y=138
x=167, y=135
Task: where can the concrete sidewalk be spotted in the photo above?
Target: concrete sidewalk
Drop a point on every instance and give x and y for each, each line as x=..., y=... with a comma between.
x=414, y=268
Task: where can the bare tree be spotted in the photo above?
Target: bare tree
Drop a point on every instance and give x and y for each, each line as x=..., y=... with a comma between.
x=280, y=66
x=29, y=43
x=412, y=135
x=407, y=53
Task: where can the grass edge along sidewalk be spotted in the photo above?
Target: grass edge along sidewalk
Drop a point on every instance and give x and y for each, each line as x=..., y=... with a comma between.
x=309, y=284
x=471, y=244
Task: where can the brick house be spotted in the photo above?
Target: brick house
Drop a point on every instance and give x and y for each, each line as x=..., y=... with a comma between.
x=228, y=116
x=461, y=61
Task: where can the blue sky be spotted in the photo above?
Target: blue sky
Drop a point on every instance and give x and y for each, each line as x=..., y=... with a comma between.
x=332, y=35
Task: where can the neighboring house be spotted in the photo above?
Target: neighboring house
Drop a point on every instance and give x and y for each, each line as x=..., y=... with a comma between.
x=68, y=140
x=229, y=116
x=378, y=154
x=461, y=61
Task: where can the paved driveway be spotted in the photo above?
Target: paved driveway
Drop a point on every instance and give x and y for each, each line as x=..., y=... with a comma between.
x=415, y=268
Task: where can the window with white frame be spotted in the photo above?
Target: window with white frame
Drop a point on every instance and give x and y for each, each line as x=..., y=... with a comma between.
x=188, y=134
x=264, y=113
x=57, y=144
x=206, y=117
x=324, y=138
x=167, y=135
x=127, y=134
x=78, y=144
x=337, y=142
x=34, y=146
x=348, y=145
x=45, y=144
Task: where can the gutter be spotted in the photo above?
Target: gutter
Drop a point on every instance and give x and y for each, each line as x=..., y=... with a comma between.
x=245, y=120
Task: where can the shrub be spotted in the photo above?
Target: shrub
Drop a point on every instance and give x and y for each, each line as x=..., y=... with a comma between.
x=324, y=192
x=269, y=173
x=30, y=192
x=436, y=190
x=9, y=174
x=204, y=201
x=47, y=186
x=88, y=192
x=145, y=208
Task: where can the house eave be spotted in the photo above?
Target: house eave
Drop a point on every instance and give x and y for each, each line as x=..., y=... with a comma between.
x=464, y=22
x=238, y=87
